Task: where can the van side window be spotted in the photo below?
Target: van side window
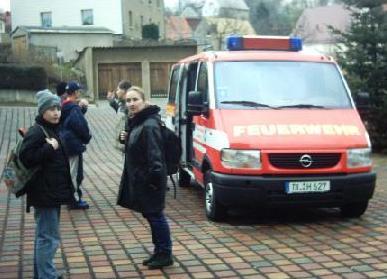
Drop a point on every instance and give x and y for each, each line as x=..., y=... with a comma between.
x=192, y=74
x=173, y=85
x=203, y=81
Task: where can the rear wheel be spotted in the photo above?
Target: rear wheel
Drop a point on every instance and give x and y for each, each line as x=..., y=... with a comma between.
x=354, y=210
x=214, y=210
x=184, y=178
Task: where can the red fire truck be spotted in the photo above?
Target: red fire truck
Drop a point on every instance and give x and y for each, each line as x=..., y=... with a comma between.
x=266, y=124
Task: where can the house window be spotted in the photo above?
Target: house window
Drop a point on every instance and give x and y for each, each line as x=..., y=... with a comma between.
x=130, y=19
x=203, y=81
x=87, y=17
x=46, y=19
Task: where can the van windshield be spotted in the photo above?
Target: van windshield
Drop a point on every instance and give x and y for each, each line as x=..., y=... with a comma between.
x=278, y=85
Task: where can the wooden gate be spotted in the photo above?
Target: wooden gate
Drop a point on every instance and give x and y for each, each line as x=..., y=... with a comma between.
x=109, y=74
x=159, y=78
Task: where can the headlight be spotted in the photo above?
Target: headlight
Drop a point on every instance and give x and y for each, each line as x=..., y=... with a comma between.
x=359, y=157
x=250, y=159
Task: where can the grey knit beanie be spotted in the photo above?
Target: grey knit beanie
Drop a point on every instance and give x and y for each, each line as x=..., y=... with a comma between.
x=46, y=100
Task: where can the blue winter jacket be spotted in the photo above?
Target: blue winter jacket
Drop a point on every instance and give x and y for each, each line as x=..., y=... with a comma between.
x=74, y=129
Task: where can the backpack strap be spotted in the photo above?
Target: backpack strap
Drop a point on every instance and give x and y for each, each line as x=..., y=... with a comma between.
x=44, y=131
x=174, y=185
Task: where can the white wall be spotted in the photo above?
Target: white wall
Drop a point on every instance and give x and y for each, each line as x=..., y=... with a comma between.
x=2, y=26
x=71, y=44
x=211, y=8
x=106, y=13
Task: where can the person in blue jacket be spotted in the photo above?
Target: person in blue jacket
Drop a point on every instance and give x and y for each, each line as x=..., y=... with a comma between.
x=76, y=135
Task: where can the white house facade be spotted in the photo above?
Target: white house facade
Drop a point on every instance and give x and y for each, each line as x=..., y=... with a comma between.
x=123, y=17
x=2, y=26
x=75, y=13
x=226, y=8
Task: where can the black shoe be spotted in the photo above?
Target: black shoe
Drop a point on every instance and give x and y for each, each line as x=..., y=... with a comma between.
x=81, y=204
x=148, y=260
x=161, y=260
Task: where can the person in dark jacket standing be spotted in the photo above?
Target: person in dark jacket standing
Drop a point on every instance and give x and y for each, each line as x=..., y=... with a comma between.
x=117, y=98
x=117, y=102
x=144, y=178
x=76, y=134
x=51, y=186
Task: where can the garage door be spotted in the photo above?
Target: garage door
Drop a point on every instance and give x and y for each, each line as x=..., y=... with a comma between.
x=109, y=74
x=159, y=78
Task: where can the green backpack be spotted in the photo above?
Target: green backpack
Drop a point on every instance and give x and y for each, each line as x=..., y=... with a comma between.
x=16, y=175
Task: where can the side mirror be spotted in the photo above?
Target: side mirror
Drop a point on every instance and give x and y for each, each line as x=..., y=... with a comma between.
x=196, y=104
x=362, y=100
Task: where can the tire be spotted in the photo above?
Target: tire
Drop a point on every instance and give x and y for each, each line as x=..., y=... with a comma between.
x=184, y=179
x=354, y=210
x=214, y=210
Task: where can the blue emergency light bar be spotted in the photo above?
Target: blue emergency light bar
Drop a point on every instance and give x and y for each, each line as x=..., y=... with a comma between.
x=283, y=43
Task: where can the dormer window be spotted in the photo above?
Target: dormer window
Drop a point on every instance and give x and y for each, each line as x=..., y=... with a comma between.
x=87, y=17
x=130, y=19
x=46, y=19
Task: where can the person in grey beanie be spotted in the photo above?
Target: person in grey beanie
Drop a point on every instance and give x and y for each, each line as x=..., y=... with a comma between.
x=51, y=186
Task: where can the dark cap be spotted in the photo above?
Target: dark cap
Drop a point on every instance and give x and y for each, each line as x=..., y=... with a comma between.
x=73, y=86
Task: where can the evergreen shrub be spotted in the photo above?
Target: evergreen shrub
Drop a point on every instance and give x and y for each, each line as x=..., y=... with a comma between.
x=22, y=77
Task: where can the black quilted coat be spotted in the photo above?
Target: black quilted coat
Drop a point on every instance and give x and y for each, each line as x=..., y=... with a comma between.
x=144, y=178
x=51, y=186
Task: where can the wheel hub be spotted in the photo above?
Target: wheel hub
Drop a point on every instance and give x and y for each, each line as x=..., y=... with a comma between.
x=209, y=196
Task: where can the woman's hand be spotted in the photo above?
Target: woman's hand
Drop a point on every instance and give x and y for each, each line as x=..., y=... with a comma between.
x=123, y=135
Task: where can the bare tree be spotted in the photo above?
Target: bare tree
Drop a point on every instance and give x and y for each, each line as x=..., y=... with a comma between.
x=223, y=27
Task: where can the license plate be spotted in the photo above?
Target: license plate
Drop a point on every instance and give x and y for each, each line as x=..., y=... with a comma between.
x=307, y=186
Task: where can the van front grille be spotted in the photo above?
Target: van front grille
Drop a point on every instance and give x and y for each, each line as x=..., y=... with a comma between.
x=304, y=160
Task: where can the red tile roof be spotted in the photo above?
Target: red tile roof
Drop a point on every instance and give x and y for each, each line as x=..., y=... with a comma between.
x=177, y=28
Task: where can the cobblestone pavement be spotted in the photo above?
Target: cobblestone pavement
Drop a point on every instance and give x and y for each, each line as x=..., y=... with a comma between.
x=107, y=241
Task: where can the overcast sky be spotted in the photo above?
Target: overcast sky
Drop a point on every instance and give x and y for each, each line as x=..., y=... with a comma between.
x=4, y=4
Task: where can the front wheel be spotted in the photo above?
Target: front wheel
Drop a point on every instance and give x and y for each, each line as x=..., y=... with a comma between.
x=354, y=210
x=215, y=211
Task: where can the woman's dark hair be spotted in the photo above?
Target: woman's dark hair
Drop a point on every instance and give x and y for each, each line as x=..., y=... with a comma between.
x=124, y=85
x=61, y=88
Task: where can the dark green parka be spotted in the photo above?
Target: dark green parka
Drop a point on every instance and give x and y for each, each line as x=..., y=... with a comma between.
x=144, y=178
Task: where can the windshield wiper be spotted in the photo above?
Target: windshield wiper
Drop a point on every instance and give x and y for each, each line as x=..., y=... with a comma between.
x=248, y=104
x=301, y=106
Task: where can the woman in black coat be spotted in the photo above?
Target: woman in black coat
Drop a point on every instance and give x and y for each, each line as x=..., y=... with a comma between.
x=51, y=186
x=144, y=178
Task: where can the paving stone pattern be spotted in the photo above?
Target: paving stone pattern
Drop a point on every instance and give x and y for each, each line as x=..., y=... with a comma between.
x=107, y=241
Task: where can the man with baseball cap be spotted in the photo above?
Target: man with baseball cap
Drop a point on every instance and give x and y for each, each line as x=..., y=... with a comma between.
x=76, y=134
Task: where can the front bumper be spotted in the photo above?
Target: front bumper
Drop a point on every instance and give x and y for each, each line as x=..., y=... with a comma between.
x=269, y=191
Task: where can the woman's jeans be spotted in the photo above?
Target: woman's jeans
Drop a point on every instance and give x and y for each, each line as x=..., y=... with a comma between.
x=47, y=240
x=161, y=236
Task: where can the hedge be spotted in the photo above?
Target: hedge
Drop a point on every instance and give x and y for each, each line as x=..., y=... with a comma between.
x=22, y=77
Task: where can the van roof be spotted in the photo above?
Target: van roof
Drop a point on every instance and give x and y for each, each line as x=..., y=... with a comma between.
x=212, y=56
